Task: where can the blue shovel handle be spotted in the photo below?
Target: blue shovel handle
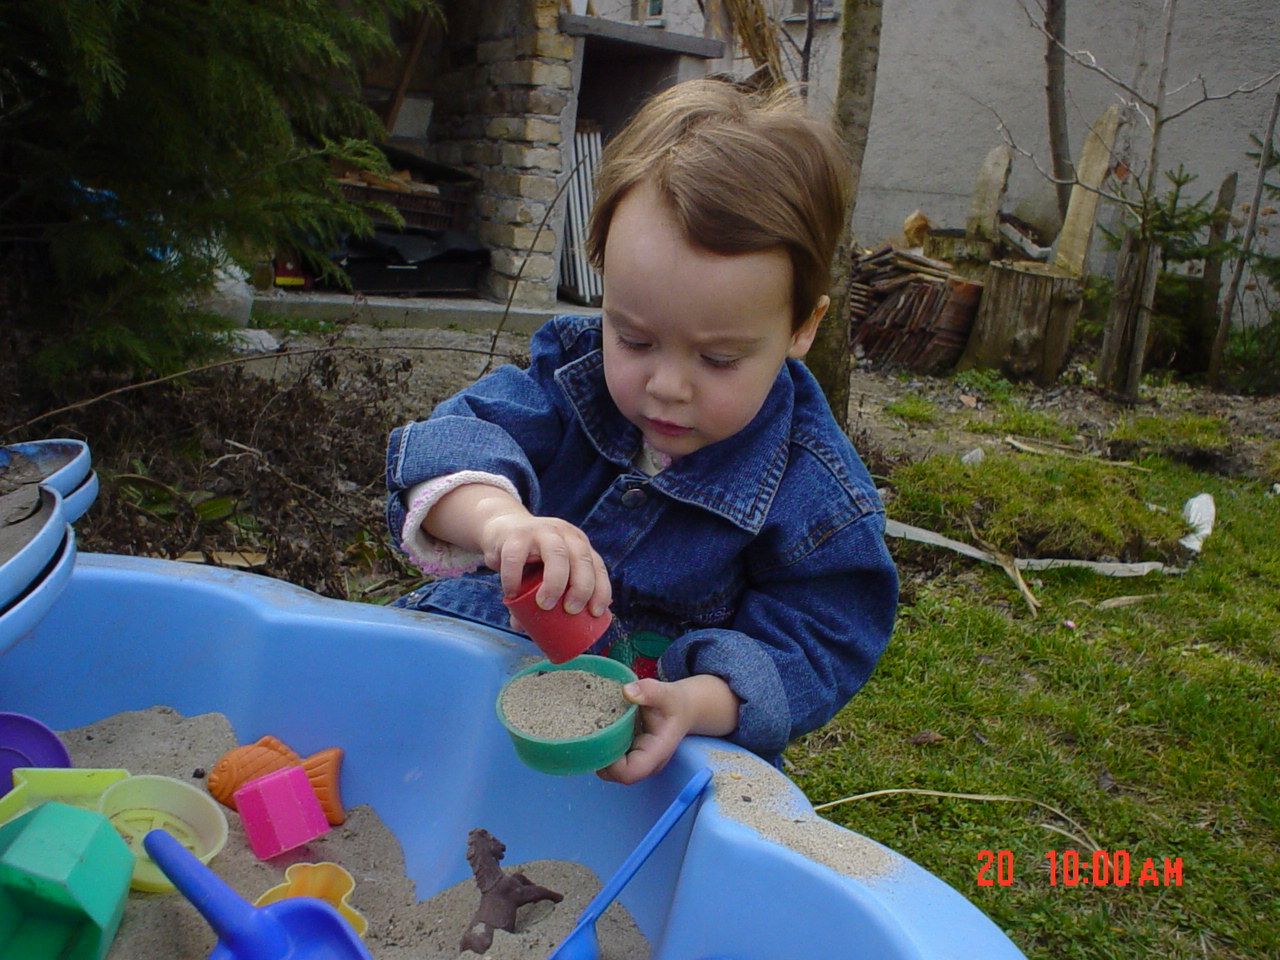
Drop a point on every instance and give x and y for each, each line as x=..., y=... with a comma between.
x=244, y=930
x=684, y=799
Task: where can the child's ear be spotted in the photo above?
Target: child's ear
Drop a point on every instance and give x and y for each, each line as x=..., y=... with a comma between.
x=802, y=339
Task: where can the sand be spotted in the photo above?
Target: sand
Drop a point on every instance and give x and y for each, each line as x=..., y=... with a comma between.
x=562, y=704
x=754, y=793
x=161, y=741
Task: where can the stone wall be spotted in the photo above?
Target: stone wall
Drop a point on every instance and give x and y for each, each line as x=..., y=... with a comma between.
x=502, y=82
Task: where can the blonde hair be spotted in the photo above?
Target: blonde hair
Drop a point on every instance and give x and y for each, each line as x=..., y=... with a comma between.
x=743, y=172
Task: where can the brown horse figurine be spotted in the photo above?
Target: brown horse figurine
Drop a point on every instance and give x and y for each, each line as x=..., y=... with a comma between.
x=501, y=894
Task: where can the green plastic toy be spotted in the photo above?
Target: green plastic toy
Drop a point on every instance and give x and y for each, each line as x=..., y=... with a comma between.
x=64, y=879
x=579, y=754
x=74, y=786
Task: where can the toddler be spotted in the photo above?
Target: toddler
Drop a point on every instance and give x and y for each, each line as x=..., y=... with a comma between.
x=673, y=459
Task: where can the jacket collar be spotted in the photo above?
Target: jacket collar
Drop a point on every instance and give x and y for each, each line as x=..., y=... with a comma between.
x=735, y=478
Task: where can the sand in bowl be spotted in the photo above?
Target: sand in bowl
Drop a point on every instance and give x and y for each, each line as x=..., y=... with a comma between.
x=401, y=927
x=562, y=704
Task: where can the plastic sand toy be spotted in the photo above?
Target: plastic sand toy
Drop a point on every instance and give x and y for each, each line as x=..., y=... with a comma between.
x=32, y=527
x=237, y=767
x=26, y=742
x=280, y=812
x=64, y=878
x=560, y=635
x=79, y=500
x=139, y=805
x=325, y=881
x=581, y=944
x=410, y=697
x=81, y=787
x=60, y=464
x=580, y=754
x=299, y=928
x=22, y=615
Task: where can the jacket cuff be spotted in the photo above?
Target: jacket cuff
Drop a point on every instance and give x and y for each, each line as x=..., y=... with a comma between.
x=764, y=718
x=430, y=554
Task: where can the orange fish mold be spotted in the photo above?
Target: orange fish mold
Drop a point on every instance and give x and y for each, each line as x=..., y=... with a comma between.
x=325, y=881
x=251, y=761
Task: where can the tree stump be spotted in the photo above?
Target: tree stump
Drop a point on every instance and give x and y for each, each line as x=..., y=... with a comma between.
x=1025, y=320
x=968, y=258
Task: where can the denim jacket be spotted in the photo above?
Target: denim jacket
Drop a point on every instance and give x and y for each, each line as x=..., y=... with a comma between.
x=761, y=557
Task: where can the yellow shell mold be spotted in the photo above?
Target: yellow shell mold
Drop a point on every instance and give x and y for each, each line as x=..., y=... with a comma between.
x=324, y=881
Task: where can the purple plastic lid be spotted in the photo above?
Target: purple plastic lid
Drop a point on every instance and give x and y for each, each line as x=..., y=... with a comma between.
x=25, y=742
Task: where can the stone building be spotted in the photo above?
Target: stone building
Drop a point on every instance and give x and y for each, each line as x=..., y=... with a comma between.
x=507, y=82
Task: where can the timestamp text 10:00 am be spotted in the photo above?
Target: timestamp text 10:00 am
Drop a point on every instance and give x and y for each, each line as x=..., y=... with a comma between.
x=1071, y=868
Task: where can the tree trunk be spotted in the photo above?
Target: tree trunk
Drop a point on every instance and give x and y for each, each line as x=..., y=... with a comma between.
x=1129, y=321
x=1124, y=345
x=1204, y=325
x=855, y=95
x=806, y=51
x=1246, y=243
x=1024, y=321
x=1055, y=25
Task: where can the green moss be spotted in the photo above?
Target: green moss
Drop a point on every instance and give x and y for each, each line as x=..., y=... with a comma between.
x=1271, y=462
x=913, y=409
x=987, y=384
x=1202, y=442
x=1160, y=434
x=1037, y=507
x=1014, y=417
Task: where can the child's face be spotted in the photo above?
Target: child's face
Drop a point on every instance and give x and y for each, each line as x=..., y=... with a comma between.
x=693, y=340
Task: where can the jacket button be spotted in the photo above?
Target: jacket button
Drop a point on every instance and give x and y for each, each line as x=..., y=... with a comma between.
x=633, y=498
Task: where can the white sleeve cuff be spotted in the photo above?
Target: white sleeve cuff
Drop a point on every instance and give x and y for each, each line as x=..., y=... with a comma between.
x=430, y=554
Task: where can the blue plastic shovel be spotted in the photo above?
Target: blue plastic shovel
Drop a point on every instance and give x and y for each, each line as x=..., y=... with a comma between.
x=581, y=943
x=301, y=928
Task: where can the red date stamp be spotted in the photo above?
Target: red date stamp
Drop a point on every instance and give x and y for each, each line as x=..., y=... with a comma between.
x=1071, y=868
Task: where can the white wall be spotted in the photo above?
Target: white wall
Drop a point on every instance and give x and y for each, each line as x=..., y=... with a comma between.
x=946, y=65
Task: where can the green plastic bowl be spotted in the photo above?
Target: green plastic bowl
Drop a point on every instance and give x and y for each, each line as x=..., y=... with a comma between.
x=578, y=754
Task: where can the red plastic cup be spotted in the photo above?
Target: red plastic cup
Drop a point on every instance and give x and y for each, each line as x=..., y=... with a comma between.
x=560, y=635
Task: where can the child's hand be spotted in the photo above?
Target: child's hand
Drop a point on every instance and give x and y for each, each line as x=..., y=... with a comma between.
x=700, y=704
x=570, y=567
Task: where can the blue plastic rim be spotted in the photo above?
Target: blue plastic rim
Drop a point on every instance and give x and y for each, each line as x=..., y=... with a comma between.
x=22, y=616
x=79, y=500
x=409, y=696
x=45, y=530
x=63, y=463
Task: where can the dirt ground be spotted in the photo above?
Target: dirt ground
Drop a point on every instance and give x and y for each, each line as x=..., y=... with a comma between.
x=276, y=462
x=438, y=367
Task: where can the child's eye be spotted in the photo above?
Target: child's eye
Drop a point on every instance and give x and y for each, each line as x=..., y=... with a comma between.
x=721, y=363
x=630, y=344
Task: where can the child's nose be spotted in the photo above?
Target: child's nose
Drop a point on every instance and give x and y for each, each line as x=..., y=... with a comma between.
x=669, y=384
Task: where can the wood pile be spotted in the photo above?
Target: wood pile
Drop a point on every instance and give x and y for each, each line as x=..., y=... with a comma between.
x=910, y=310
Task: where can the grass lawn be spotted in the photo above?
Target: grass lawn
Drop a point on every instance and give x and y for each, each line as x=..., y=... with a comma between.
x=1152, y=728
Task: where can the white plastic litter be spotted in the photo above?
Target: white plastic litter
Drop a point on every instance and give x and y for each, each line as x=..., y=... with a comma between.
x=252, y=340
x=976, y=455
x=1199, y=512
